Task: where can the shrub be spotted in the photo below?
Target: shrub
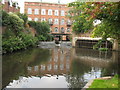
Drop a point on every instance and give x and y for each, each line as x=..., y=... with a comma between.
x=103, y=49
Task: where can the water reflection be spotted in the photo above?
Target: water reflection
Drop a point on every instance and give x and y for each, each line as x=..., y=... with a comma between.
x=57, y=67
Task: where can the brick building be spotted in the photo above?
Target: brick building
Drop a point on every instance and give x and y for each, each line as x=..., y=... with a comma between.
x=54, y=14
x=9, y=6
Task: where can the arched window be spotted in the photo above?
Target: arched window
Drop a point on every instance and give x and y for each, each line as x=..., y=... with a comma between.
x=62, y=22
x=56, y=21
x=56, y=29
x=68, y=29
x=62, y=30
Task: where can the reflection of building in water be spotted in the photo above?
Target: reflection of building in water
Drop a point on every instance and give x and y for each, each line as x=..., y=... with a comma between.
x=59, y=63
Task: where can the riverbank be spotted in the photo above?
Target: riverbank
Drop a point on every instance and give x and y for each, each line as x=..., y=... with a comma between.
x=104, y=82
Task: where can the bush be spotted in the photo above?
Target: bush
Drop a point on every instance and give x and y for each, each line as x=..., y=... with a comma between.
x=103, y=49
x=16, y=43
x=41, y=38
x=42, y=29
x=16, y=36
x=13, y=22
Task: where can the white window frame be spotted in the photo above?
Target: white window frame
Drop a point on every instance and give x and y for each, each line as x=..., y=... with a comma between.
x=56, y=29
x=56, y=13
x=62, y=13
x=50, y=12
x=29, y=10
x=68, y=29
x=35, y=19
x=43, y=12
x=62, y=22
x=29, y=19
x=43, y=19
x=36, y=11
x=56, y=21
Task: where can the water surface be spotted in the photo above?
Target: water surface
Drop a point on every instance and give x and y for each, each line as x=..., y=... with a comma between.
x=58, y=67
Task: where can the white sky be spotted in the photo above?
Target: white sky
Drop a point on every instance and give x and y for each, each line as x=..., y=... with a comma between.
x=21, y=2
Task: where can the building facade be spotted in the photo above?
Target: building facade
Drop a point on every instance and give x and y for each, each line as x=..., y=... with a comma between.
x=9, y=6
x=54, y=14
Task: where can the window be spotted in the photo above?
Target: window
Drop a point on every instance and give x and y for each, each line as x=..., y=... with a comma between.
x=50, y=20
x=68, y=21
x=62, y=13
x=61, y=66
x=68, y=29
x=56, y=29
x=56, y=21
x=35, y=19
x=30, y=19
x=42, y=67
x=55, y=67
x=36, y=68
x=62, y=30
x=43, y=19
x=56, y=13
x=43, y=12
x=29, y=11
x=49, y=12
x=49, y=67
x=62, y=21
x=36, y=11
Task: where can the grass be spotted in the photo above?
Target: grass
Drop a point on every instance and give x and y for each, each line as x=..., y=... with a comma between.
x=109, y=83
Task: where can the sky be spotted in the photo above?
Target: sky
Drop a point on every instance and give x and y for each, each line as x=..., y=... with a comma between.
x=21, y=2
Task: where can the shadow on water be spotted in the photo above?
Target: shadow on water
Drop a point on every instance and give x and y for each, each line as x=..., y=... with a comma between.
x=62, y=67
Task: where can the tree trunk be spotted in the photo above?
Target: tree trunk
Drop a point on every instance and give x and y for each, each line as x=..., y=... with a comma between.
x=115, y=45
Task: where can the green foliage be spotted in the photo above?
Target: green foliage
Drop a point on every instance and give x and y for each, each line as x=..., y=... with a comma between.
x=24, y=17
x=15, y=43
x=16, y=36
x=13, y=22
x=41, y=38
x=80, y=24
x=42, y=29
x=110, y=83
x=103, y=49
x=107, y=12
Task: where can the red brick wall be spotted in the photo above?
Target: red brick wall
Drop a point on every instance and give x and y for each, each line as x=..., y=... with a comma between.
x=47, y=6
x=6, y=7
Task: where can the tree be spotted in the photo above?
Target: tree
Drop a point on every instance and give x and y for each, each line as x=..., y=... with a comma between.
x=107, y=12
x=81, y=24
x=42, y=29
x=24, y=17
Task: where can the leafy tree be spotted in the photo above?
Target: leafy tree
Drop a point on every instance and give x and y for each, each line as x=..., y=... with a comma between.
x=12, y=22
x=42, y=29
x=81, y=24
x=24, y=17
x=107, y=12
